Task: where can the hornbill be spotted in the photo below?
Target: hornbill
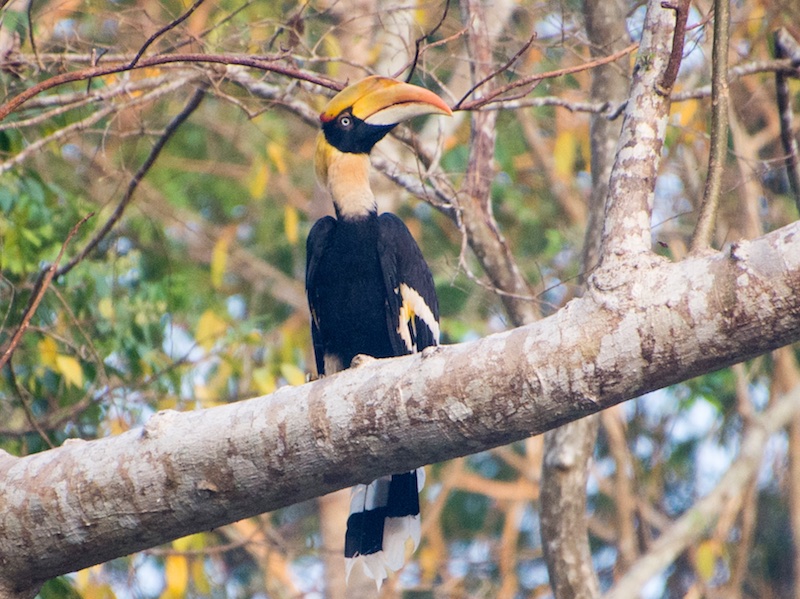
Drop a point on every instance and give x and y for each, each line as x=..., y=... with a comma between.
x=370, y=292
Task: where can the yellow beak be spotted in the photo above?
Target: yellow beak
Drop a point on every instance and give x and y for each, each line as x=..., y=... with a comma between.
x=383, y=101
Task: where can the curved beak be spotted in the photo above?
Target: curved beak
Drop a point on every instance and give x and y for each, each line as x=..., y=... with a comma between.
x=384, y=101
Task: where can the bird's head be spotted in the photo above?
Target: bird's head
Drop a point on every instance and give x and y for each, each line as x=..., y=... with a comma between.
x=355, y=120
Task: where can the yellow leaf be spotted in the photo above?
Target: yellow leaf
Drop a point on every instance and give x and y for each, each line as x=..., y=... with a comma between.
x=219, y=255
x=48, y=352
x=117, y=426
x=201, y=583
x=106, y=308
x=331, y=47
x=210, y=328
x=259, y=179
x=564, y=155
x=293, y=375
x=291, y=224
x=264, y=380
x=275, y=152
x=705, y=559
x=70, y=369
x=190, y=543
x=176, y=576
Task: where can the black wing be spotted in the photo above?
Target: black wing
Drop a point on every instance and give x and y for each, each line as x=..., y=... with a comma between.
x=412, y=313
x=315, y=246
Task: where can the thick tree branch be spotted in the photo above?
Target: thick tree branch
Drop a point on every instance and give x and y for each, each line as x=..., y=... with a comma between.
x=87, y=502
x=631, y=188
x=569, y=449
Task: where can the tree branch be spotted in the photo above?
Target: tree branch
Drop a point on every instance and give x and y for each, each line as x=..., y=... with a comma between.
x=718, y=151
x=87, y=502
x=626, y=229
x=262, y=63
x=171, y=25
x=173, y=125
x=39, y=289
x=701, y=517
x=787, y=47
x=568, y=450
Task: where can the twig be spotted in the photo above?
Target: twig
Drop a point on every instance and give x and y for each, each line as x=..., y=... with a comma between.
x=496, y=72
x=66, y=102
x=681, y=9
x=704, y=230
x=29, y=416
x=209, y=29
x=268, y=63
x=171, y=25
x=85, y=123
x=494, y=96
x=418, y=43
x=42, y=282
x=787, y=47
x=31, y=39
x=173, y=125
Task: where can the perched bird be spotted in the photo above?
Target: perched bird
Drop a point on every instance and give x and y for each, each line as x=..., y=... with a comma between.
x=370, y=292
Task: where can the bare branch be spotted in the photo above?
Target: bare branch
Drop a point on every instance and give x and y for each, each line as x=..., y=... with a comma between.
x=418, y=44
x=173, y=125
x=269, y=63
x=787, y=47
x=676, y=55
x=694, y=523
x=497, y=71
x=718, y=151
x=83, y=124
x=171, y=25
x=496, y=95
x=39, y=289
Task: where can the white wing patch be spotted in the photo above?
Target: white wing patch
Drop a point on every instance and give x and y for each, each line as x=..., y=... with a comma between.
x=413, y=305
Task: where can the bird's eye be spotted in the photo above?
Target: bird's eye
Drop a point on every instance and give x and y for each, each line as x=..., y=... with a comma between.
x=345, y=121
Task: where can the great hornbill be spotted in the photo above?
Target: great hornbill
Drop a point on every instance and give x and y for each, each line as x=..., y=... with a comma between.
x=370, y=292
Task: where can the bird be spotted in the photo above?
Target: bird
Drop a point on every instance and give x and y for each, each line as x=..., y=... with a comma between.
x=370, y=292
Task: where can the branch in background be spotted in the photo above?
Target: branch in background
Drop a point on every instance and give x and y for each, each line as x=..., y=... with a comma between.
x=418, y=44
x=83, y=124
x=664, y=86
x=39, y=289
x=497, y=71
x=787, y=47
x=23, y=401
x=162, y=31
x=695, y=522
x=495, y=95
x=190, y=107
x=718, y=151
x=473, y=213
x=66, y=102
x=269, y=63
